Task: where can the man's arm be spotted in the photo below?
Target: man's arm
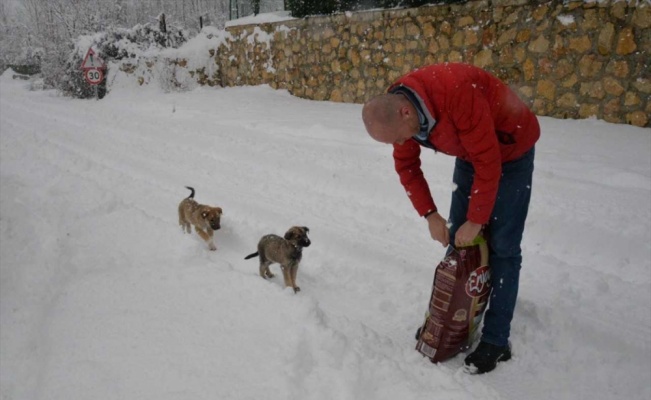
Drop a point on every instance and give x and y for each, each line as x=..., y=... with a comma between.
x=438, y=228
x=407, y=164
x=407, y=160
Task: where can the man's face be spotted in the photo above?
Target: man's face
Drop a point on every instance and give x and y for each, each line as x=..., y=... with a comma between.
x=390, y=135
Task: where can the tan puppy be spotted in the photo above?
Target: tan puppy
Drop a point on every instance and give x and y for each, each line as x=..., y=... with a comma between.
x=206, y=219
x=286, y=251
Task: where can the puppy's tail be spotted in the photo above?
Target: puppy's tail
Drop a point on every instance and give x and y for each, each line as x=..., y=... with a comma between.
x=252, y=255
x=191, y=194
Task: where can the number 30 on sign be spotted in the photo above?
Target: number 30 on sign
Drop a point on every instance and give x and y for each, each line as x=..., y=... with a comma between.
x=93, y=76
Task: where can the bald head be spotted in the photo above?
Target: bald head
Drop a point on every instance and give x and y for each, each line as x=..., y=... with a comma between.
x=390, y=118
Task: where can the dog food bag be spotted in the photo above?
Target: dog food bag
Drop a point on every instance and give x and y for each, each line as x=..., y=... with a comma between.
x=459, y=297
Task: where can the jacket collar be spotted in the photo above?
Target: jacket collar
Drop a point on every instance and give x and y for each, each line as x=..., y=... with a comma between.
x=425, y=119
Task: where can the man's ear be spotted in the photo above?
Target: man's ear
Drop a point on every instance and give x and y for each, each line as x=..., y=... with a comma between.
x=406, y=111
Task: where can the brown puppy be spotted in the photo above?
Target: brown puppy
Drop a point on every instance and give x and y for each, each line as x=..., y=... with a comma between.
x=206, y=219
x=286, y=251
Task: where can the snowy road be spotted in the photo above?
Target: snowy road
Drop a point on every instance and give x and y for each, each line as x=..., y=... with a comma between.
x=103, y=297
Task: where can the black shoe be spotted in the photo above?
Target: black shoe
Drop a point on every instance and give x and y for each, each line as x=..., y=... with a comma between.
x=485, y=358
x=418, y=333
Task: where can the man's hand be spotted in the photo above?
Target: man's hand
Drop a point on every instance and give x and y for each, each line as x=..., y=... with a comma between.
x=438, y=228
x=466, y=233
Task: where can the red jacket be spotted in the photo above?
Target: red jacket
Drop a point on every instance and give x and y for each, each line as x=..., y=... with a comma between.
x=478, y=119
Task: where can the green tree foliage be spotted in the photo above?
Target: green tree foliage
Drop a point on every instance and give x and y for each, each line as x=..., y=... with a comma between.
x=302, y=8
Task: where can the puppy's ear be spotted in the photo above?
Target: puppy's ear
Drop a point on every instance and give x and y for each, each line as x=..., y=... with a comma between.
x=289, y=235
x=219, y=210
x=306, y=229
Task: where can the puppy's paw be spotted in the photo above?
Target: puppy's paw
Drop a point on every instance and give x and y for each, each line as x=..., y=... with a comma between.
x=297, y=289
x=212, y=247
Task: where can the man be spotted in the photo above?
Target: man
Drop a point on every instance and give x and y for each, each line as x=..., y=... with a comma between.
x=464, y=111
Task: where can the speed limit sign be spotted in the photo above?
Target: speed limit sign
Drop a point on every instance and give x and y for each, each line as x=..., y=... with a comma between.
x=93, y=76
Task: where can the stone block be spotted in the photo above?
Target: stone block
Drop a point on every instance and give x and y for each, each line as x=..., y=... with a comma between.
x=580, y=44
x=507, y=37
x=506, y=55
x=465, y=21
x=612, y=108
x=589, y=66
x=618, y=10
x=540, y=12
x=546, y=89
x=570, y=81
x=455, y=56
x=562, y=69
x=545, y=66
x=631, y=99
x=588, y=110
x=637, y=118
x=606, y=39
x=471, y=37
x=643, y=85
x=618, y=69
x=457, y=40
x=523, y=36
x=484, y=58
x=642, y=17
x=529, y=70
x=593, y=89
x=526, y=92
x=613, y=87
x=625, y=42
x=428, y=30
x=567, y=101
x=539, y=45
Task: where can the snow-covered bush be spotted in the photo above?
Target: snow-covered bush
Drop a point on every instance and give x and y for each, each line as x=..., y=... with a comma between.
x=113, y=45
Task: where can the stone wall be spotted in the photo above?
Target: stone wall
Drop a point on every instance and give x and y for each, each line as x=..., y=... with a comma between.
x=565, y=59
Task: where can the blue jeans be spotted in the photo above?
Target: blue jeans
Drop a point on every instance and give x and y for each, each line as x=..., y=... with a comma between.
x=505, y=227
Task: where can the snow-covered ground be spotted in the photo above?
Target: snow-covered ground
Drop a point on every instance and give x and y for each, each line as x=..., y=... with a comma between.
x=103, y=296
